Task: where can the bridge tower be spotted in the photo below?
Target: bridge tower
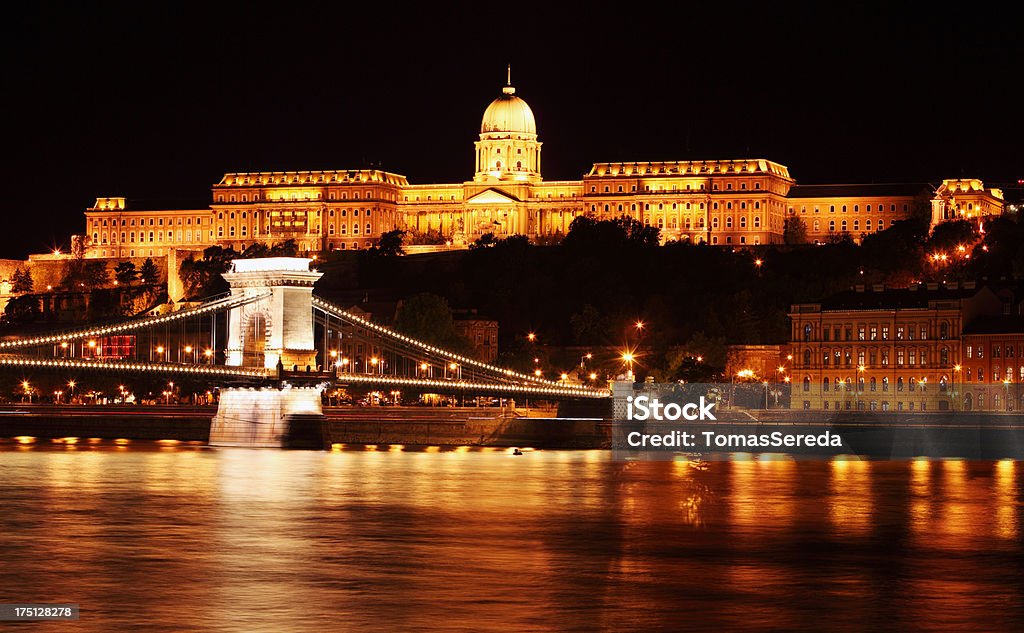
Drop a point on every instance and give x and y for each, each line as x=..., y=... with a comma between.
x=278, y=327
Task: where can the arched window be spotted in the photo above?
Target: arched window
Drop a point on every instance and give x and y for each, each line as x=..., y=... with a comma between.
x=807, y=383
x=944, y=330
x=807, y=358
x=943, y=384
x=808, y=330
x=824, y=384
x=885, y=384
x=874, y=384
x=899, y=384
x=968, y=402
x=943, y=356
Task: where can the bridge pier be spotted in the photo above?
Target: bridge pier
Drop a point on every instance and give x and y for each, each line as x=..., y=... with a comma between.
x=270, y=417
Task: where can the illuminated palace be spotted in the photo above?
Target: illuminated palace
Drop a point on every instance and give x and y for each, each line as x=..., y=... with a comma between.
x=724, y=202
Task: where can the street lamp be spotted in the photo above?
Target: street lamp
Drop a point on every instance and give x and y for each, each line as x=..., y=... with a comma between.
x=628, y=357
x=531, y=337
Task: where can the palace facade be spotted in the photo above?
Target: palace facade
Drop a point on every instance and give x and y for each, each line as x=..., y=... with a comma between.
x=725, y=202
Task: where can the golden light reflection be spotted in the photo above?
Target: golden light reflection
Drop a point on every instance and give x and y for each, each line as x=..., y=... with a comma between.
x=851, y=502
x=760, y=496
x=1006, y=494
x=920, y=510
x=955, y=515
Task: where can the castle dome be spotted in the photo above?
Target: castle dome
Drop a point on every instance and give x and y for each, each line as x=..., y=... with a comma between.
x=508, y=113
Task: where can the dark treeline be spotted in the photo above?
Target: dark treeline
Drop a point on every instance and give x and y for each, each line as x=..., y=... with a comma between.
x=605, y=275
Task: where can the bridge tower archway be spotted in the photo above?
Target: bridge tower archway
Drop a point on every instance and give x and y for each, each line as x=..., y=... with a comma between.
x=277, y=326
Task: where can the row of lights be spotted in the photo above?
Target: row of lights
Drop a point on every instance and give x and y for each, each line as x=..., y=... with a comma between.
x=556, y=390
x=430, y=348
x=35, y=362
x=216, y=305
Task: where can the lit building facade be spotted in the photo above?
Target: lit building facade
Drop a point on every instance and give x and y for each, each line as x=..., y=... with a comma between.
x=965, y=199
x=885, y=349
x=992, y=375
x=829, y=211
x=724, y=202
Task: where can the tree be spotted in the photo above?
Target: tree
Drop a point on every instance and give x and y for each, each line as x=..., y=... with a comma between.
x=125, y=273
x=950, y=235
x=588, y=326
x=90, y=273
x=23, y=309
x=432, y=237
x=287, y=248
x=202, y=277
x=390, y=244
x=21, y=281
x=794, y=231
x=95, y=273
x=487, y=240
x=428, y=318
x=149, y=272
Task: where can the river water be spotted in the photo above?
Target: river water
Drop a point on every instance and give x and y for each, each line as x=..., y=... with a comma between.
x=181, y=537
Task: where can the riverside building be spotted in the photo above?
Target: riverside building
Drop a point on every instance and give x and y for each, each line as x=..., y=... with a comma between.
x=930, y=347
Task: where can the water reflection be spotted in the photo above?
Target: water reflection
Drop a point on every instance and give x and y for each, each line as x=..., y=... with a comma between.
x=432, y=538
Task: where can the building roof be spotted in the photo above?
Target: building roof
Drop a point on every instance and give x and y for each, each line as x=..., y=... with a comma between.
x=996, y=324
x=859, y=191
x=323, y=177
x=509, y=113
x=738, y=167
x=919, y=296
x=131, y=205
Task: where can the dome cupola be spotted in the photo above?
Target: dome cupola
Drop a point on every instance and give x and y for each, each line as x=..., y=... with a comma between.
x=508, y=148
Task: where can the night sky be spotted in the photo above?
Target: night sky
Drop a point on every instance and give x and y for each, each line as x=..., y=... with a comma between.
x=158, y=101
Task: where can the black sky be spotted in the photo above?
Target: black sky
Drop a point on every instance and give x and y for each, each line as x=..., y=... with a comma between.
x=156, y=101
